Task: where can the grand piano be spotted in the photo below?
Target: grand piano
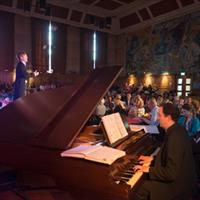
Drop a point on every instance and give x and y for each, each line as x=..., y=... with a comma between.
x=35, y=130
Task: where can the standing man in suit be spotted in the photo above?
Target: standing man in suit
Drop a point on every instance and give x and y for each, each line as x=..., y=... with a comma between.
x=21, y=75
x=171, y=174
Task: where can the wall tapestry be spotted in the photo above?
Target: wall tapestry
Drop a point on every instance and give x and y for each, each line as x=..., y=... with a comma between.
x=172, y=46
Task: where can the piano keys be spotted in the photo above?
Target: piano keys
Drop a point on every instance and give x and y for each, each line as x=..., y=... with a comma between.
x=128, y=175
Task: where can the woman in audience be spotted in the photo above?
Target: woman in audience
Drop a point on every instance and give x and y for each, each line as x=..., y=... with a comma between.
x=160, y=100
x=119, y=104
x=188, y=100
x=109, y=103
x=137, y=109
x=189, y=120
x=196, y=105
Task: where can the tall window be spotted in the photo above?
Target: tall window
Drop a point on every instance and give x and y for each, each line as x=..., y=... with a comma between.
x=50, y=70
x=94, y=49
x=183, y=85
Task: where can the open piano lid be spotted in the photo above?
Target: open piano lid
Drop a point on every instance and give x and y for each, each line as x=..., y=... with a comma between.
x=53, y=119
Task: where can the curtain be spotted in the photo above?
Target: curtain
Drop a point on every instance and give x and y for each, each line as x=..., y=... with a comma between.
x=101, y=56
x=59, y=47
x=40, y=54
x=86, y=51
x=39, y=32
x=6, y=41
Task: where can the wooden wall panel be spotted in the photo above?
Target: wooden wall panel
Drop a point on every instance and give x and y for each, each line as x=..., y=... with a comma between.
x=6, y=41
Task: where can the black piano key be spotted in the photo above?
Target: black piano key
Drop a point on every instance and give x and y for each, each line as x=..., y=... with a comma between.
x=130, y=171
x=121, y=178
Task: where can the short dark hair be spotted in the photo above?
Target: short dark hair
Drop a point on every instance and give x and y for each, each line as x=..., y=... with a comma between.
x=172, y=110
x=187, y=107
x=19, y=54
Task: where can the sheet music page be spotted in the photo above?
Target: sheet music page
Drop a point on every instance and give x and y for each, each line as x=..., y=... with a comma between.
x=114, y=127
x=105, y=154
x=120, y=125
x=147, y=128
x=136, y=128
x=78, y=151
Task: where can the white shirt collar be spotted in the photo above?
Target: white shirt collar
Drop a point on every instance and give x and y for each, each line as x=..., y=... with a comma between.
x=24, y=63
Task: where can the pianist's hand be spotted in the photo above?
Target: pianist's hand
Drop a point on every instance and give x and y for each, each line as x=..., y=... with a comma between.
x=36, y=73
x=141, y=168
x=145, y=159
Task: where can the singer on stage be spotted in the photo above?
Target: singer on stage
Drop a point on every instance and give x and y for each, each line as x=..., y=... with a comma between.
x=21, y=75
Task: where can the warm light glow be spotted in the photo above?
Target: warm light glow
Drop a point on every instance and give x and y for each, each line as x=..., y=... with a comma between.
x=148, y=79
x=165, y=73
x=148, y=74
x=14, y=75
x=31, y=81
x=131, y=80
x=164, y=81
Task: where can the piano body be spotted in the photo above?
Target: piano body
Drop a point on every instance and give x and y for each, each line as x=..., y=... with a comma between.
x=37, y=128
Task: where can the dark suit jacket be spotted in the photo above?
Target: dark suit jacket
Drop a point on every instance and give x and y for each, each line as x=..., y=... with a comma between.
x=173, y=174
x=21, y=76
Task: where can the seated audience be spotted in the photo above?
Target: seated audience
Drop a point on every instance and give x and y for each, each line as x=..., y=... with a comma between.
x=137, y=109
x=109, y=103
x=128, y=100
x=119, y=105
x=159, y=100
x=100, y=110
x=189, y=120
x=152, y=118
x=196, y=105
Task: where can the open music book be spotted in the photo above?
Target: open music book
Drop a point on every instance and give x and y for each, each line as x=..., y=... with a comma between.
x=96, y=153
x=114, y=127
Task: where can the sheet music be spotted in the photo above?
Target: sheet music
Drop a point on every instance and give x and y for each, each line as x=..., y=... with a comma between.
x=97, y=153
x=147, y=128
x=114, y=127
x=105, y=154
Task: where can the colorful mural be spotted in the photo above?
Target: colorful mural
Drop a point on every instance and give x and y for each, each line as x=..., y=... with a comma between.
x=172, y=46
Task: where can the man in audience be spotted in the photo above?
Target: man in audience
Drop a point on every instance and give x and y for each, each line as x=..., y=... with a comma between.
x=100, y=110
x=152, y=119
x=171, y=174
x=21, y=75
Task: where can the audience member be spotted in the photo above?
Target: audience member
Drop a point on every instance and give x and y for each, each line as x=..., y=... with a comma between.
x=152, y=118
x=119, y=105
x=189, y=120
x=100, y=110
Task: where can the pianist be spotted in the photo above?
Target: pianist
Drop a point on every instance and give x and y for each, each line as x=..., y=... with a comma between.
x=171, y=174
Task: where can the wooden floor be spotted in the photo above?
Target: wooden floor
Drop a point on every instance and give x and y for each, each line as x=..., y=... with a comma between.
x=43, y=195
x=36, y=195
x=32, y=187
